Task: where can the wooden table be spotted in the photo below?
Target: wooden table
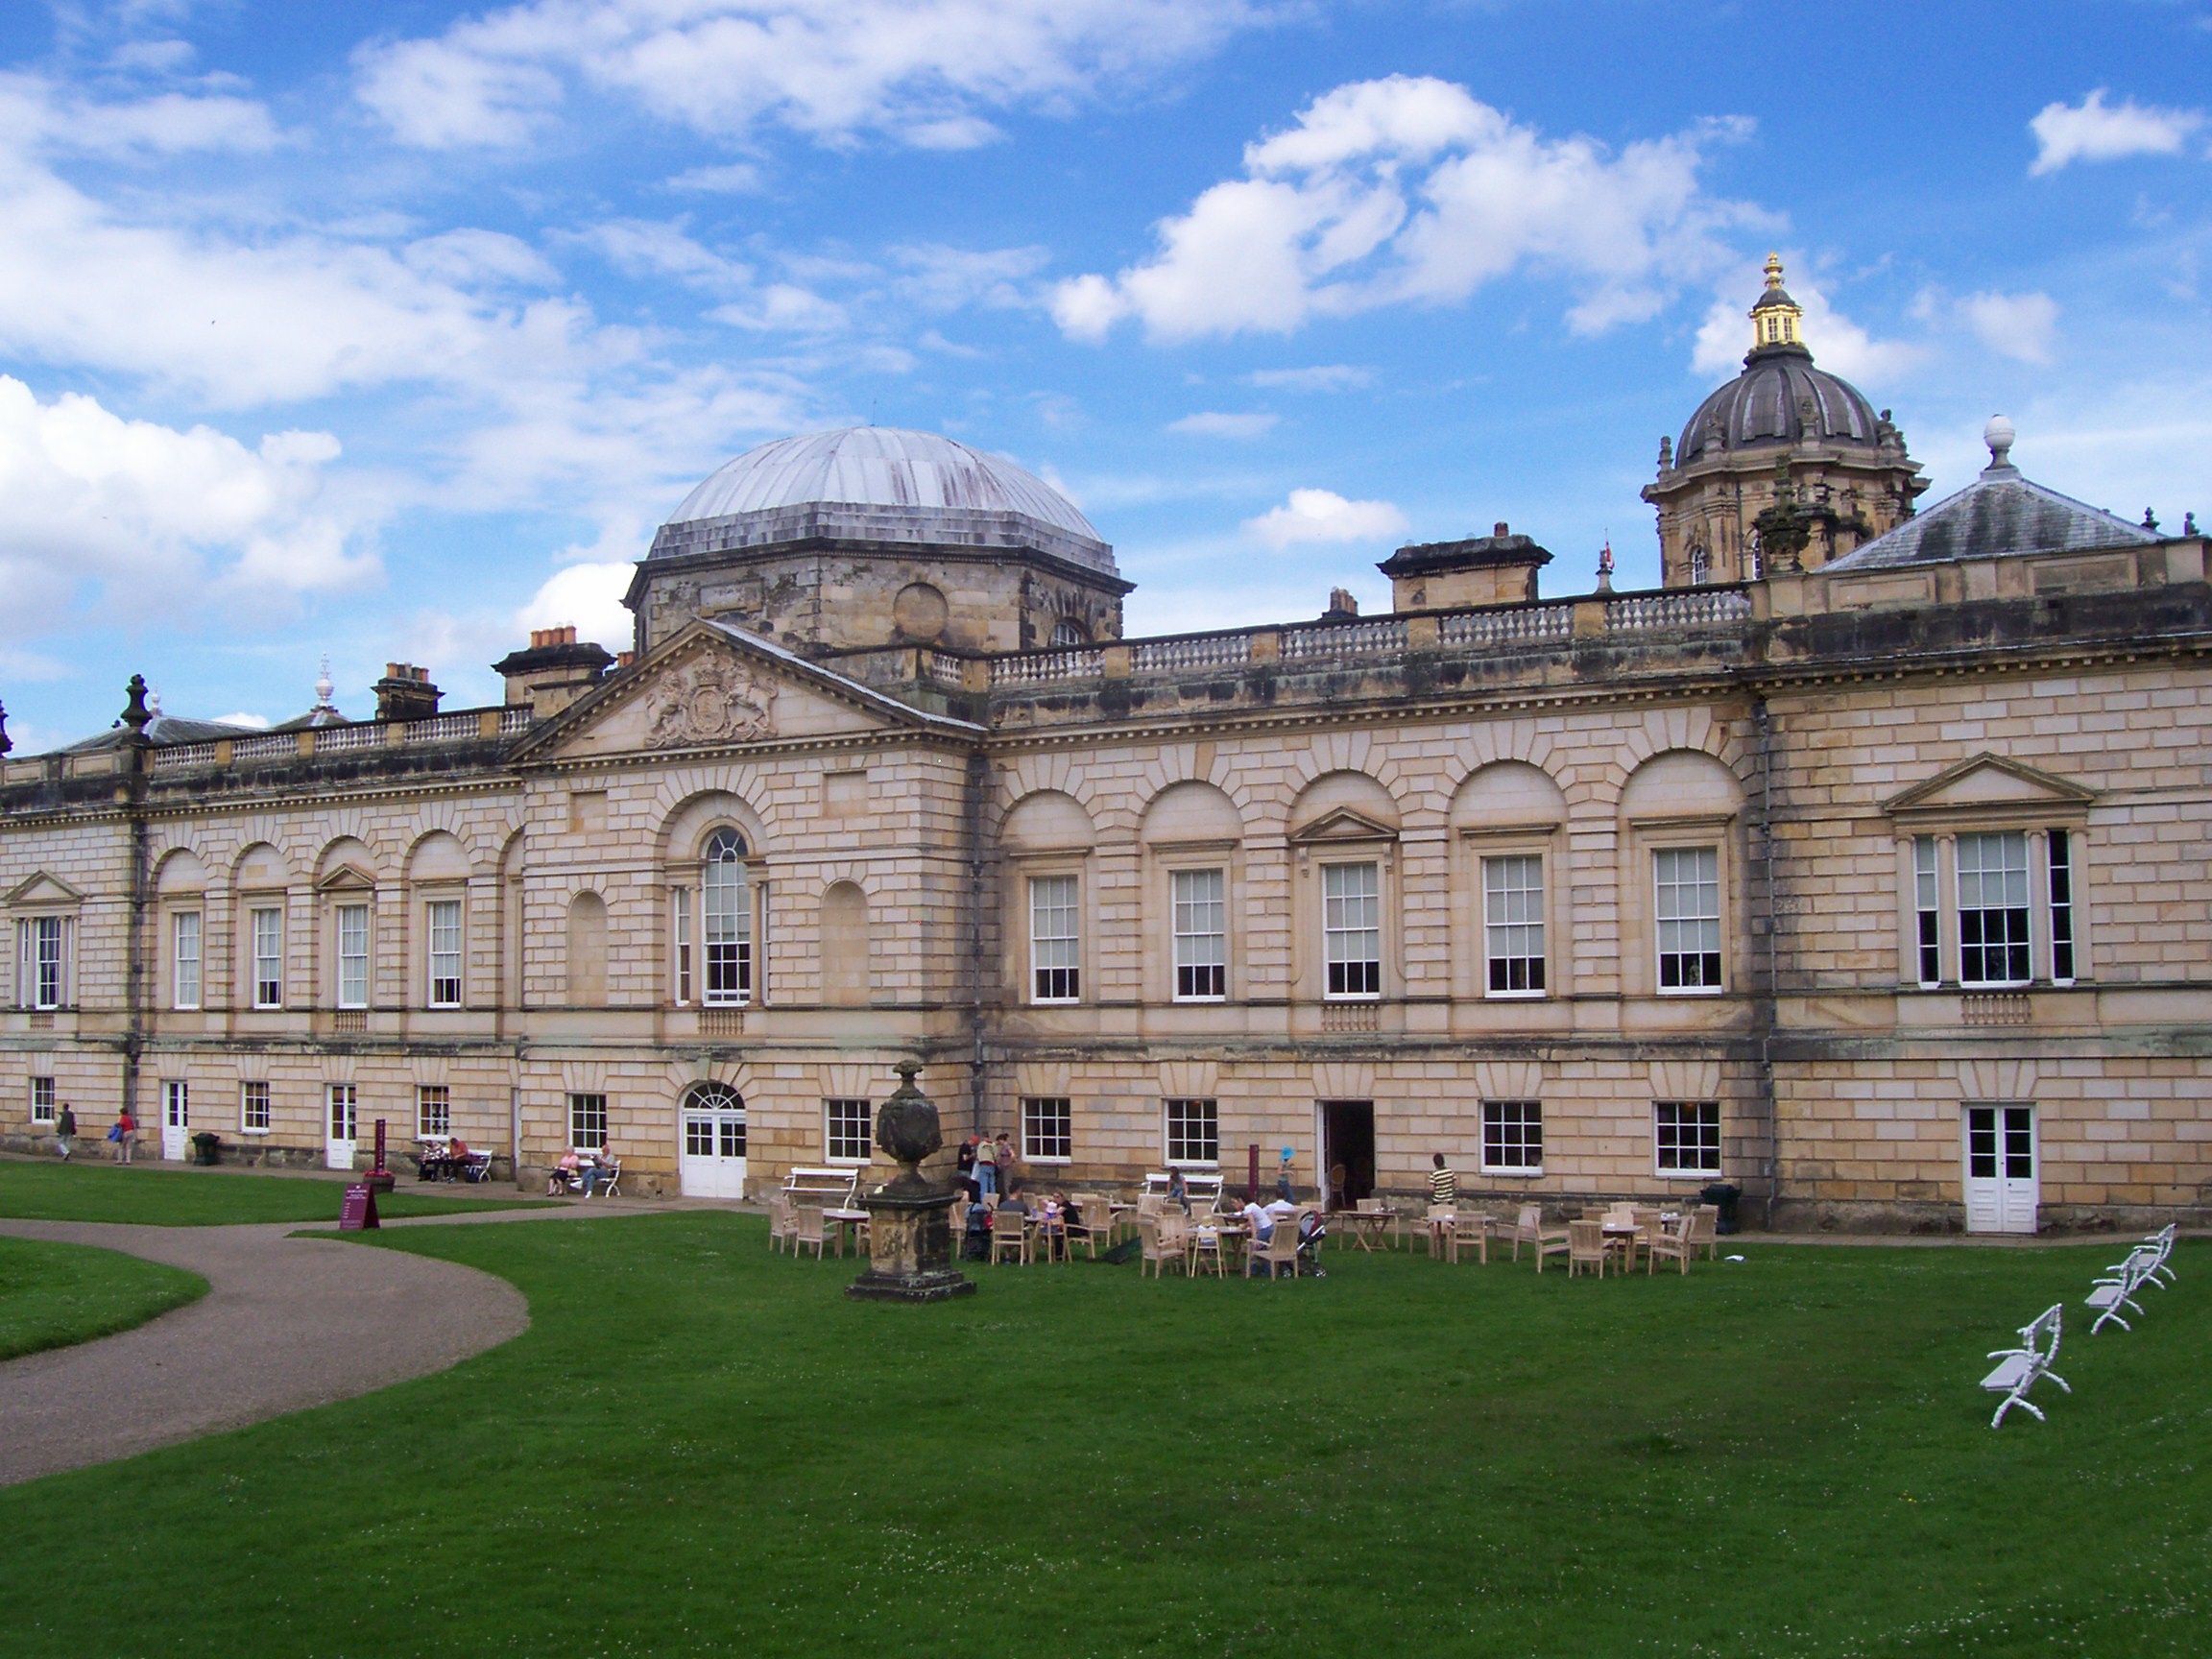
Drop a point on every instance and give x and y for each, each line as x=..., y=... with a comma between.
x=1489, y=1225
x=1624, y=1236
x=849, y=1221
x=1363, y=1227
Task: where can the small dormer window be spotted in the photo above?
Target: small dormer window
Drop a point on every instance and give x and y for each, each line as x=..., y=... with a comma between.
x=1068, y=633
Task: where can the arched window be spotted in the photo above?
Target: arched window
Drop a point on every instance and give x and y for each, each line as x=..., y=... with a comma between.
x=1700, y=567
x=728, y=915
x=1068, y=633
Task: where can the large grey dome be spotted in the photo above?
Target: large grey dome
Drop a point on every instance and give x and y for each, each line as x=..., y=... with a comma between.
x=879, y=484
x=1780, y=399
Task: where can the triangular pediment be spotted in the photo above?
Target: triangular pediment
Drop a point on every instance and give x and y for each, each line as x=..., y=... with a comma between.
x=1345, y=825
x=43, y=892
x=710, y=688
x=347, y=879
x=1990, y=783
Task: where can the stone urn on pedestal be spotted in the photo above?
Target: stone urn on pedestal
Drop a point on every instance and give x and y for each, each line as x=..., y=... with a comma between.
x=909, y=1224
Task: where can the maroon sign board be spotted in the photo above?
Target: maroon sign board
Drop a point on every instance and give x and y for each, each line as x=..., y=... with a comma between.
x=360, y=1209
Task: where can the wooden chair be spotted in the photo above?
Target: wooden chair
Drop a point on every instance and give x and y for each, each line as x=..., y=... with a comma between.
x=1280, y=1250
x=1205, y=1246
x=1094, y=1221
x=1009, y=1235
x=1704, y=1221
x=1585, y=1247
x=1469, y=1228
x=1438, y=1221
x=1674, y=1242
x=1527, y=1227
x=783, y=1224
x=1150, y=1253
x=809, y=1232
x=1174, y=1240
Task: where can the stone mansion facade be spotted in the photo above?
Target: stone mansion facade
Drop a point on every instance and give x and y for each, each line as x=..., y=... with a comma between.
x=1861, y=866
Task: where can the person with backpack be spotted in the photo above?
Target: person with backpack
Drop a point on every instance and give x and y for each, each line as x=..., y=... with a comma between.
x=124, y=1135
x=986, y=1167
x=65, y=1132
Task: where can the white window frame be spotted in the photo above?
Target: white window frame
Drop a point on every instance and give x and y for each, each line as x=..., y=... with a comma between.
x=1679, y=1171
x=1666, y=858
x=43, y=943
x=1927, y=911
x=726, y=920
x=354, y=964
x=858, y=1114
x=1208, y=1113
x=1195, y=947
x=442, y=953
x=1494, y=1135
x=433, y=1112
x=187, y=938
x=261, y=983
x=256, y=1108
x=1980, y=875
x=1339, y=936
x=1514, y=930
x=345, y=1095
x=1059, y=954
x=2059, y=878
x=584, y=1109
x=681, y=966
x=1048, y=1129
x=45, y=1102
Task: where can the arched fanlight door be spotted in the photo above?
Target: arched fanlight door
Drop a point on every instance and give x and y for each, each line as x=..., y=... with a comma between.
x=713, y=1127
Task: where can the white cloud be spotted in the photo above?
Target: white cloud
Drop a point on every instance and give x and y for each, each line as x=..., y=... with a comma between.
x=918, y=72
x=36, y=112
x=260, y=722
x=1839, y=345
x=1410, y=190
x=733, y=179
x=2022, y=327
x=588, y=596
x=2094, y=131
x=143, y=511
x=940, y=279
x=1321, y=378
x=470, y=258
x=1213, y=423
x=1324, y=515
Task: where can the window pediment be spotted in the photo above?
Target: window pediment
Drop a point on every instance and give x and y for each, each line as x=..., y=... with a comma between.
x=44, y=892
x=1991, y=785
x=345, y=879
x=1343, y=825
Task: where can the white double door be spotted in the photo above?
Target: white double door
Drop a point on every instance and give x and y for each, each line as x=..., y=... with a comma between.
x=713, y=1161
x=2002, y=1187
x=344, y=1128
x=175, y=1121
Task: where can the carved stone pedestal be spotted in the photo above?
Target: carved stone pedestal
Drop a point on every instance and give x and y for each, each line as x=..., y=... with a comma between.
x=909, y=1249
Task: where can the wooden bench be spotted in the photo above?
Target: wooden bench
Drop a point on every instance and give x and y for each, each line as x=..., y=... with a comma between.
x=2019, y=1368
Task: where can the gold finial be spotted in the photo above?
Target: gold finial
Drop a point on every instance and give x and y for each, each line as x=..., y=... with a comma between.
x=1773, y=272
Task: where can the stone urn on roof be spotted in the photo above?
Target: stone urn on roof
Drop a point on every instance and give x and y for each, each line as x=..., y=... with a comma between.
x=909, y=1225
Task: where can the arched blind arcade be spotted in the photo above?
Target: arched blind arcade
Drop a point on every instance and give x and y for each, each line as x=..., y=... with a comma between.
x=727, y=920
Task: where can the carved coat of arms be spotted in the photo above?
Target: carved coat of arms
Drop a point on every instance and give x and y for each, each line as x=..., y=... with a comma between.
x=708, y=702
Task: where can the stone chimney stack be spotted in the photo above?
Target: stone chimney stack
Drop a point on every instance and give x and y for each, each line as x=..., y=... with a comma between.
x=1341, y=604
x=406, y=693
x=1498, y=568
x=553, y=672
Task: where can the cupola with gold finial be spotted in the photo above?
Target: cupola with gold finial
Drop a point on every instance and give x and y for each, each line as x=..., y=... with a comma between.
x=1783, y=468
x=1774, y=318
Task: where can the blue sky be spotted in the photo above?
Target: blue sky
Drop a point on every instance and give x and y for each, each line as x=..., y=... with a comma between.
x=392, y=330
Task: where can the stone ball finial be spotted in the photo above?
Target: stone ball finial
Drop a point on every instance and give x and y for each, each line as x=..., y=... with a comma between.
x=1999, y=434
x=325, y=686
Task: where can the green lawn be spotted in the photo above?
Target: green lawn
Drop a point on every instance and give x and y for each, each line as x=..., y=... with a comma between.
x=100, y=1192
x=700, y=1447
x=52, y=1295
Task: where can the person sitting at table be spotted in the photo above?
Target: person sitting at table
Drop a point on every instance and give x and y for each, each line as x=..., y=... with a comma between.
x=1178, y=1193
x=561, y=1177
x=1052, y=1223
x=1258, y=1220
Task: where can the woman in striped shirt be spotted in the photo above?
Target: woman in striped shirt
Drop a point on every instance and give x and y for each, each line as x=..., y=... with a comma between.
x=1443, y=1185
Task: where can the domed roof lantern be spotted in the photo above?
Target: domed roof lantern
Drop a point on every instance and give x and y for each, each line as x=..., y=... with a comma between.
x=1775, y=316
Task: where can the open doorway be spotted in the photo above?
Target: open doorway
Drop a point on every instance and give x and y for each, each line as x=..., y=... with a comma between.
x=1347, y=1152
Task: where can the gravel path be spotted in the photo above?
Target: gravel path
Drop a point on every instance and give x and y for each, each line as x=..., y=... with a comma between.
x=287, y=1323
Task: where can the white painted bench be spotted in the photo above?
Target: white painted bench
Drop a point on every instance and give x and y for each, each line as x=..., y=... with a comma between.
x=2019, y=1368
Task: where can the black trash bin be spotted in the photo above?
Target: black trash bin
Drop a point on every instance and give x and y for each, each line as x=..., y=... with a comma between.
x=1722, y=1197
x=207, y=1148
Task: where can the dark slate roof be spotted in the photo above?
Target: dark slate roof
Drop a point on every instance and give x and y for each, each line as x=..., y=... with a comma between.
x=2000, y=512
x=162, y=728
x=1779, y=399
